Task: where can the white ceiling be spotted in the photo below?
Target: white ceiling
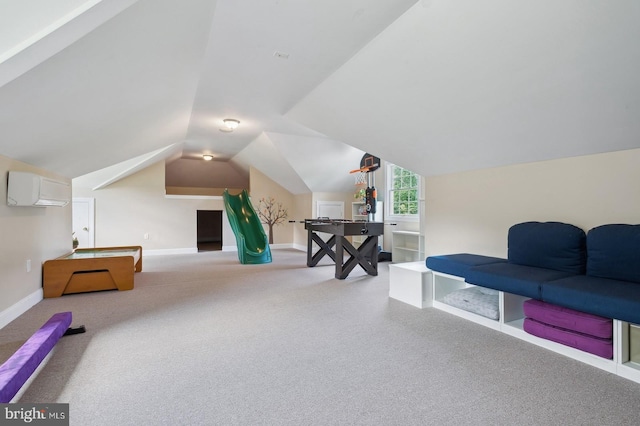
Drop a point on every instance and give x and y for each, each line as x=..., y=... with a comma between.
x=459, y=85
x=162, y=72
x=108, y=87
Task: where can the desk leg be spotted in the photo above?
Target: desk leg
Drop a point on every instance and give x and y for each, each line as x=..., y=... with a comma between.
x=374, y=254
x=366, y=256
x=325, y=248
x=340, y=272
x=309, y=247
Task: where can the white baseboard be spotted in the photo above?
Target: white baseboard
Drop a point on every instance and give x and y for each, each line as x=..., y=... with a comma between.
x=157, y=252
x=301, y=247
x=281, y=246
x=20, y=308
x=190, y=250
x=273, y=246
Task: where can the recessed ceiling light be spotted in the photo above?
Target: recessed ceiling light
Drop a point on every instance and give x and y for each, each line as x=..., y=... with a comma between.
x=207, y=157
x=231, y=123
x=281, y=55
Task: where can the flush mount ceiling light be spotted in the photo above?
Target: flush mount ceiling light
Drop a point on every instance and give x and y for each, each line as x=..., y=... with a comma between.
x=207, y=157
x=230, y=124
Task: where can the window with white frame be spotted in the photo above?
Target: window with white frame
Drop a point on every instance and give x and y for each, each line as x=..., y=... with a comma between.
x=403, y=190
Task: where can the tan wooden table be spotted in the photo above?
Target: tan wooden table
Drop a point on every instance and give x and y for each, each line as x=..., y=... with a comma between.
x=92, y=269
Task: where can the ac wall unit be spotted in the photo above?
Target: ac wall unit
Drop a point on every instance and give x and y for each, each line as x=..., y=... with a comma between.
x=29, y=189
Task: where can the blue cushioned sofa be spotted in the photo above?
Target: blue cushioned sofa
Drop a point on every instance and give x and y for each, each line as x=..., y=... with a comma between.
x=596, y=273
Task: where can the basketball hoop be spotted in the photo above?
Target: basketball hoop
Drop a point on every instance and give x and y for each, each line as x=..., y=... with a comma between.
x=361, y=178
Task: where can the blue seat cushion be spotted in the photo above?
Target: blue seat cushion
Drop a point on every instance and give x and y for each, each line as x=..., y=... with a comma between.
x=550, y=245
x=614, y=252
x=594, y=295
x=511, y=278
x=459, y=264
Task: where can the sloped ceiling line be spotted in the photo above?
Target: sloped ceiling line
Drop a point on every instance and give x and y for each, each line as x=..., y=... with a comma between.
x=60, y=33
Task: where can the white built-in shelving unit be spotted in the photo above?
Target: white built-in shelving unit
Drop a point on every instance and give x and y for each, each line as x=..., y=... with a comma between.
x=407, y=246
x=359, y=212
x=431, y=287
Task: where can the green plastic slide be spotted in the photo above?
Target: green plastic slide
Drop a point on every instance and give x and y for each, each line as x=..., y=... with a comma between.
x=252, y=241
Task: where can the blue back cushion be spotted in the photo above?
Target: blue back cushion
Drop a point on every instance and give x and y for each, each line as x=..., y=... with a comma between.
x=614, y=252
x=551, y=245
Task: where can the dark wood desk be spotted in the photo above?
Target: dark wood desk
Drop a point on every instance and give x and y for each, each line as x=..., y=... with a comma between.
x=366, y=255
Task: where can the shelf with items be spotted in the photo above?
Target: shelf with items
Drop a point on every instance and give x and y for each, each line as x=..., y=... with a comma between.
x=626, y=336
x=359, y=212
x=628, y=351
x=444, y=286
x=407, y=246
x=634, y=344
x=416, y=289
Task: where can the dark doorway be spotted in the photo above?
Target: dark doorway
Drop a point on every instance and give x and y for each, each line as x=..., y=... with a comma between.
x=209, y=230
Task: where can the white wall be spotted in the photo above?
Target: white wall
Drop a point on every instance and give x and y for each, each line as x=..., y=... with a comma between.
x=189, y=172
x=465, y=212
x=137, y=205
x=302, y=209
x=472, y=211
x=263, y=187
x=28, y=233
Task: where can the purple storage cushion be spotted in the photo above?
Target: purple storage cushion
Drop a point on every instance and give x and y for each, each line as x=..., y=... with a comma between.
x=568, y=318
x=20, y=366
x=590, y=344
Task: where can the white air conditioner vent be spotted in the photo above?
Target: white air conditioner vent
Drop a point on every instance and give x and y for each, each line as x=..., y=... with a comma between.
x=29, y=189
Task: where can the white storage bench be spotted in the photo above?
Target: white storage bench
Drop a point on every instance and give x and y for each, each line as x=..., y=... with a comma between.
x=410, y=282
x=511, y=317
x=413, y=283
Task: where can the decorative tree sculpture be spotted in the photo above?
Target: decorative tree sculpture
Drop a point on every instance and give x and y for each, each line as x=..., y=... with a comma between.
x=271, y=213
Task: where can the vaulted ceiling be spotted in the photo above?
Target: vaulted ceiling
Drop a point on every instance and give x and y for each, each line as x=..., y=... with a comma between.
x=99, y=89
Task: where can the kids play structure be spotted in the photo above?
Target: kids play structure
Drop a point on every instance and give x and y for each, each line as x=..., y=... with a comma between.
x=368, y=164
x=252, y=241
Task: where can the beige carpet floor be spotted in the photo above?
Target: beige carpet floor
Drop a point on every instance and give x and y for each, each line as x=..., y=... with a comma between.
x=203, y=340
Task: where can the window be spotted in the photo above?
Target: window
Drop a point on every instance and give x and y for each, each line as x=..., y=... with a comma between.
x=403, y=192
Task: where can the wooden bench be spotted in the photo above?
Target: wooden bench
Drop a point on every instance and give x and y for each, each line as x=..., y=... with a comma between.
x=15, y=372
